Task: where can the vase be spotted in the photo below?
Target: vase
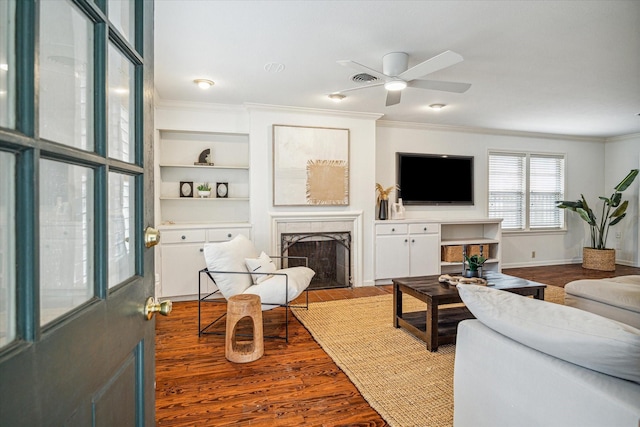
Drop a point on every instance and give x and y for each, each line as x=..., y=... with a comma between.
x=599, y=259
x=204, y=194
x=383, y=211
x=472, y=273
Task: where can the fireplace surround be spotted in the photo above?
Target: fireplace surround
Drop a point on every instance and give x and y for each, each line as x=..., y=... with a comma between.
x=323, y=227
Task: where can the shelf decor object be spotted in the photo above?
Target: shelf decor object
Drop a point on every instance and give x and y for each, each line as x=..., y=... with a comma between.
x=204, y=159
x=186, y=189
x=222, y=189
x=310, y=166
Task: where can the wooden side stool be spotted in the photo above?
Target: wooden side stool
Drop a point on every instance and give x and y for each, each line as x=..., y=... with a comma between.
x=240, y=307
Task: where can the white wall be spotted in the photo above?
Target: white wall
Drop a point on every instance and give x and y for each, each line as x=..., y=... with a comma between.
x=621, y=155
x=584, y=171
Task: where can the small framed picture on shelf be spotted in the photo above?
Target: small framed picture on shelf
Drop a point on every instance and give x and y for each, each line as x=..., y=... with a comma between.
x=186, y=188
x=222, y=189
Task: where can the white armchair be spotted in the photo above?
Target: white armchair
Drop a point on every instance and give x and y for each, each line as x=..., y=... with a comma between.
x=236, y=267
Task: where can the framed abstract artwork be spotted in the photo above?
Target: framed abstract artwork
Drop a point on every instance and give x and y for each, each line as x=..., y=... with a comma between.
x=310, y=166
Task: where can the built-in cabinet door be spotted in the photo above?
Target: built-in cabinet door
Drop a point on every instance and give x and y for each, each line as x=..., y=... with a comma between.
x=392, y=256
x=180, y=266
x=425, y=255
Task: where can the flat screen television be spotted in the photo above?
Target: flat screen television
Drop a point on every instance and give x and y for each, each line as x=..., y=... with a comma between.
x=434, y=179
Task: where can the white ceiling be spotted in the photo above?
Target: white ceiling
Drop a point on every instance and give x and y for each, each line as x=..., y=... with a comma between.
x=561, y=67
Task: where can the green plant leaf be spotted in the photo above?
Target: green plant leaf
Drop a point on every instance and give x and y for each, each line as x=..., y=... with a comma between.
x=587, y=216
x=617, y=220
x=620, y=211
x=615, y=199
x=626, y=182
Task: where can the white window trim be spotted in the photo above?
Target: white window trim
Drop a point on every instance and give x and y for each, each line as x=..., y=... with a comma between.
x=527, y=230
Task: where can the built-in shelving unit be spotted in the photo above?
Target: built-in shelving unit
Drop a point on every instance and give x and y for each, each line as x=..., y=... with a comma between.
x=413, y=247
x=179, y=150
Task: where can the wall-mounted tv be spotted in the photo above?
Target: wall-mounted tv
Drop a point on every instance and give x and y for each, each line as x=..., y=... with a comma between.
x=434, y=179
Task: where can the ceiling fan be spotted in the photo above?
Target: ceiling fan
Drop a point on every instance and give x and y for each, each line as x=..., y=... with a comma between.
x=396, y=75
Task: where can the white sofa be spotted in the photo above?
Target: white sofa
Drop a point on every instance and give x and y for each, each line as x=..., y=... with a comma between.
x=617, y=298
x=525, y=362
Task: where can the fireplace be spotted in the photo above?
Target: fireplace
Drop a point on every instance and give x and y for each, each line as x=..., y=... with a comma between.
x=328, y=254
x=335, y=237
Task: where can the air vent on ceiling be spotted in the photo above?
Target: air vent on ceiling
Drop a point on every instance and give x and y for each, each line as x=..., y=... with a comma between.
x=364, y=77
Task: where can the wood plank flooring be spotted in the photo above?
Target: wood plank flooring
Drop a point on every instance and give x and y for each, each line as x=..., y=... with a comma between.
x=294, y=384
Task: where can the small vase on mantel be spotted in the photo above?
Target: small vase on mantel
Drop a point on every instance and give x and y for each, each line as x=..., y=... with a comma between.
x=383, y=209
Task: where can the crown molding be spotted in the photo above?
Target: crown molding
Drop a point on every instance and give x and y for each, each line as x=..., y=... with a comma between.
x=202, y=106
x=487, y=131
x=318, y=111
x=624, y=137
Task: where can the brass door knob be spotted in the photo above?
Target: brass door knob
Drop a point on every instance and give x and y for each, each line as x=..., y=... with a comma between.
x=151, y=237
x=152, y=306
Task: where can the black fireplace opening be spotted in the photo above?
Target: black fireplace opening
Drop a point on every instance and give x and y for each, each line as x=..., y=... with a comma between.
x=328, y=254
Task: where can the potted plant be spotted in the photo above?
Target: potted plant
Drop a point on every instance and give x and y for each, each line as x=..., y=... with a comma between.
x=383, y=200
x=475, y=262
x=204, y=190
x=598, y=256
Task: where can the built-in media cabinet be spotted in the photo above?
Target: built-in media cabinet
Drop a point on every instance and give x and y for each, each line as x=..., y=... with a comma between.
x=188, y=221
x=414, y=247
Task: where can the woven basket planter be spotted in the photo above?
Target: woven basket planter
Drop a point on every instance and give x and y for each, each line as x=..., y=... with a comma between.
x=599, y=259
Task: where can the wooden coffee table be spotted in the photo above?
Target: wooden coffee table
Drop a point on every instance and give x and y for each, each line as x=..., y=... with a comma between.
x=437, y=325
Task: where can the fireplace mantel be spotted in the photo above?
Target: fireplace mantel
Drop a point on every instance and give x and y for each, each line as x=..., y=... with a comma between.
x=300, y=222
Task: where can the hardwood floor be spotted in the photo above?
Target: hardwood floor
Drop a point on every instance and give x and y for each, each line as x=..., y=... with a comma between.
x=293, y=384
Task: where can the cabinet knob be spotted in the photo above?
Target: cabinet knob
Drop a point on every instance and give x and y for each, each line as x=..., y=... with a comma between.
x=393, y=229
x=425, y=229
x=201, y=249
x=183, y=237
x=413, y=240
x=229, y=235
x=405, y=240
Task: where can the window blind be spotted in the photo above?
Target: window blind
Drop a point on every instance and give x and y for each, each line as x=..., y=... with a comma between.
x=546, y=182
x=507, y=189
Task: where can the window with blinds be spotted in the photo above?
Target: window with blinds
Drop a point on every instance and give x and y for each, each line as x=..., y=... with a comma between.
x=524, y=188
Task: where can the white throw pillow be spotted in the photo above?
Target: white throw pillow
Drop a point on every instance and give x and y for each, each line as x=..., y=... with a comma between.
x=272, y=291
x=230, y=256
x=570, y=334
x=262, y=264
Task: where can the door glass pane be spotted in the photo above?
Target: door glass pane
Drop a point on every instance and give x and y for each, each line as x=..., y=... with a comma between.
x=7, y=250
x=7, y=64
x=122, y=243
x=121, y=107
x=121, y=15
x=66, y=75
x=66, y=238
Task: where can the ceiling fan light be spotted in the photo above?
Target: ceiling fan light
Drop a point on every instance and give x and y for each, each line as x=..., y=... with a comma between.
x=204, y=83
x=394, y=85
x=337, y=97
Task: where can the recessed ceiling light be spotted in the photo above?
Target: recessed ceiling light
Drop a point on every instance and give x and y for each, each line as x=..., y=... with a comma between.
x=337, y=97
x=437, y=106
x=273, y=67
x=204, y=83
x=394, y=85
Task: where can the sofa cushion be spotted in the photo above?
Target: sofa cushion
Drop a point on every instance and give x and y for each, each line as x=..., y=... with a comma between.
x=567, y=333
x=230, y=256
x=272, y=291
x=262, y=264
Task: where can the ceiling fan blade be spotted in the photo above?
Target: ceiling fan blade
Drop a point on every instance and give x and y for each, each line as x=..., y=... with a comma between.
x=359, y=87
x=440, y=85
x=393, y=97
x=438, y=62
x=363, y=68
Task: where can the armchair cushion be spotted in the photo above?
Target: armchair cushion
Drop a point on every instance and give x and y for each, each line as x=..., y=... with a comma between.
x=570, y=334
x=272, y=291
x=227, y=257
x=262, y=264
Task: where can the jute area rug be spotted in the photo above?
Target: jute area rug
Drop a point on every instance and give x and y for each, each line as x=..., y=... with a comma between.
x=394, y=372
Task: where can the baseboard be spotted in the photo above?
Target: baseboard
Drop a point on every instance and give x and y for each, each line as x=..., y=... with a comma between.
x=540, y=263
